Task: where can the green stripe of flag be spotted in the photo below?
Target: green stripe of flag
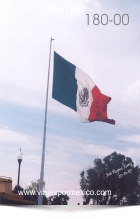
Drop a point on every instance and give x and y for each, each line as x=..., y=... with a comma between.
x=64, y=82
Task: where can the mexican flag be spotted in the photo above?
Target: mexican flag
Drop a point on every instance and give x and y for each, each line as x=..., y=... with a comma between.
x=75, y=89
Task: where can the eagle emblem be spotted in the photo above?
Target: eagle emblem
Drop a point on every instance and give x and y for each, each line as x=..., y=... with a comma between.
x=83, y=97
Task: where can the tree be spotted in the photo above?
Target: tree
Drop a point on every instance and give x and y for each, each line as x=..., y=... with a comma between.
x=17, y=189
x=32, y=195
x=31, y=192
x=115, y=173
x=58, y=199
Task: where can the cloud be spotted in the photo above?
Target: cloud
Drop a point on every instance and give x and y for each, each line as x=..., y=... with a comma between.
x=132, y=92
x=60, y=148
x=9, y=137
x=113, y=61
x=133, y=152
x=65, y=175
x=22, y=96
x=131, y=138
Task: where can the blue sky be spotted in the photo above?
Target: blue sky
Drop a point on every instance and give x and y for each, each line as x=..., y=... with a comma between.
x=108, y=54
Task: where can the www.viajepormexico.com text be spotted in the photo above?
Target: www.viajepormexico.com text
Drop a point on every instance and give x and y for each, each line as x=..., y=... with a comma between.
x=65, y=192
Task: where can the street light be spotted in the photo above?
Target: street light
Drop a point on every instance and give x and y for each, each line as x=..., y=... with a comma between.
x=19, y=158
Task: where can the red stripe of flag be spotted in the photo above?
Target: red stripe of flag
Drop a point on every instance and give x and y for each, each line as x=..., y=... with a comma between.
x=98, y=109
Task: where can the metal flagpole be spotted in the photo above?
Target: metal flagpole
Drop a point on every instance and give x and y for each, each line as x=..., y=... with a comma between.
x=44, y=137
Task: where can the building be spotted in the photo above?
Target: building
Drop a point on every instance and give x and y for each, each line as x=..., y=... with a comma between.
x=9, y=198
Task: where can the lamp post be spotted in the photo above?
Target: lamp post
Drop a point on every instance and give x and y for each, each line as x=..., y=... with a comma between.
x=19, y=158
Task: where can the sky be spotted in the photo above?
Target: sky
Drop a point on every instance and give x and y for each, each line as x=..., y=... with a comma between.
x=109, y=54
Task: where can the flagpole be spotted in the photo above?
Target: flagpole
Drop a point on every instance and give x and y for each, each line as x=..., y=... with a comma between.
x=40, y=197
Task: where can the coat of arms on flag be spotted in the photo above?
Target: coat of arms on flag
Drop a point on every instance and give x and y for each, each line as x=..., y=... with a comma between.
x=83, y=97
